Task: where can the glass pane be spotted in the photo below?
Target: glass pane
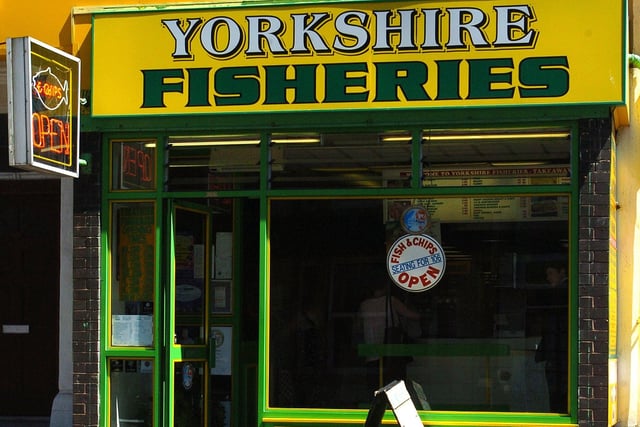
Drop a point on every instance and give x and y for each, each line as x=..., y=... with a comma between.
x=133, y=164
x=371, y=160
x=132, y=274
x=479, y=340
x=221, y=374
x=188, y=394
x=223, y=162
x=490, y=157
x=131, y=392
x=190, y=255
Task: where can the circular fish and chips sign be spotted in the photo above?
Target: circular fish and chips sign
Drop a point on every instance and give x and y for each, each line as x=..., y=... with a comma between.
x=416, y=262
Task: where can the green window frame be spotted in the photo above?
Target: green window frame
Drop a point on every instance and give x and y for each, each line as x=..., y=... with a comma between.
x=326, y=416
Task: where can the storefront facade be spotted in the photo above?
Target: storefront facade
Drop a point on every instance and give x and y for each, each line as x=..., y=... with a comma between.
x=256, y=166
x=249, y=222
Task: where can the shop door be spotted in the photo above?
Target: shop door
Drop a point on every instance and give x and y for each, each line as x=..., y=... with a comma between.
x=190, y=355
x=29, y=294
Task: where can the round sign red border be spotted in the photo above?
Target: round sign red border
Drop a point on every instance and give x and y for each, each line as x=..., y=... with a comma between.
x=427, y=279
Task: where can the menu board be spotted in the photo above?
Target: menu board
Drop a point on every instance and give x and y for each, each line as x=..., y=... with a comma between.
x=496, y=176
x=500, y=208
x=486, y=208
x=489, y=208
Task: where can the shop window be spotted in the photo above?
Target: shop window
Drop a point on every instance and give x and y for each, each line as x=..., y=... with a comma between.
x=132, y=274
x=130, y=392
x=363, y=160
x=213, y=163
x=492, y=157
x=133, y=164
x=490, y=336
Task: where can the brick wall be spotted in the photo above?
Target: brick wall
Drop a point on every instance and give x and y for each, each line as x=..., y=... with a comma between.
x=86, y=287
x=593, y=277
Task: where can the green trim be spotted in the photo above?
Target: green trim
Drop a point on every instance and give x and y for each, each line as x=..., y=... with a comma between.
x=574, y=227
x=263, y=311
x=105, y=215
x=335, y=120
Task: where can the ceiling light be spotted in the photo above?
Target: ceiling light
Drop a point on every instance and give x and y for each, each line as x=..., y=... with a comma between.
x=295, y=139
x=397, y=138
x=213, y=140
x=494, y=136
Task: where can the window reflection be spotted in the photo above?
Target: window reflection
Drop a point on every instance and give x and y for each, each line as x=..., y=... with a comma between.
x=131, y=392
x=363, y=160
x=473, y=341
x=213, y=162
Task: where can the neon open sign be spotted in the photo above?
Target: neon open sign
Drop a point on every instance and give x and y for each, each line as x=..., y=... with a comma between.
x=44, y=102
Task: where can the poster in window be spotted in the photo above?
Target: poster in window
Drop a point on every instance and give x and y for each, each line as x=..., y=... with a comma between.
x=223, y=255
x=221, y=336
x=136, y=251
x=189, y=275
x=220, y=297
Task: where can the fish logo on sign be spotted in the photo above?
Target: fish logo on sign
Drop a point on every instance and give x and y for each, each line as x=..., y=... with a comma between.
x=51, y=92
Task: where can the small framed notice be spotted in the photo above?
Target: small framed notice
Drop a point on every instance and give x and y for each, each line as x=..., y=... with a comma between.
x=132, y=330
x=222, y=339
x=220, y=297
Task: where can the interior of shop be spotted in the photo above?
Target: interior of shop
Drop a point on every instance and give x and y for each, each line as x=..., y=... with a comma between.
x=474, y=345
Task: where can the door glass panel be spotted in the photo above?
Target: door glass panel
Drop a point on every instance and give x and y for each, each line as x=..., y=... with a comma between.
x=220, y=392
x=188, y=394
x=131, y=392
x=190, y=352
x=132, y=274
x=190, y=270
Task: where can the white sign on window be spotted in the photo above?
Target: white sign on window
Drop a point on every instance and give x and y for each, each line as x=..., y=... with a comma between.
x=132, y=330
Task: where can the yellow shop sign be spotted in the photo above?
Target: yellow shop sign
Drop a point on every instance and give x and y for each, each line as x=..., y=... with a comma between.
x=358, y=56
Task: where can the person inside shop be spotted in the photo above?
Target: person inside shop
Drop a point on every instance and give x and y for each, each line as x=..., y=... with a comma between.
x=375, y=315
x=553, y=347
x=310, y=353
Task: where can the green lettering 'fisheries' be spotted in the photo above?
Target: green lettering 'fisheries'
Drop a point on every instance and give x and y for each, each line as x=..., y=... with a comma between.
x=536, y=77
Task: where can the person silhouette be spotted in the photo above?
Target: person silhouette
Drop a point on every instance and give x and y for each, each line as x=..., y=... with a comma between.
x=553, y=346
x=375, y=314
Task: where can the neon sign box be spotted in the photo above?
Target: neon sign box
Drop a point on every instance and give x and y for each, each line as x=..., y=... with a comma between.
x=44, y=103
